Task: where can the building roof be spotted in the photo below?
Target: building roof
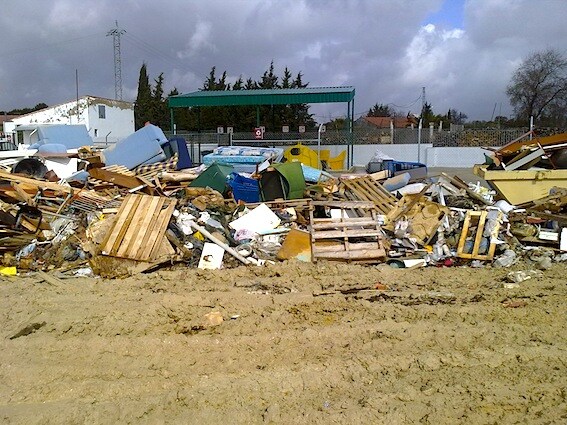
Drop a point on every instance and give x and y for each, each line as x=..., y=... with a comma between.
x=263, y=97
x=90, y=98
x=4, y=118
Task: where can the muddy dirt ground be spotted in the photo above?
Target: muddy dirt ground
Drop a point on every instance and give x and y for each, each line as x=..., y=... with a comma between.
x=299, y=343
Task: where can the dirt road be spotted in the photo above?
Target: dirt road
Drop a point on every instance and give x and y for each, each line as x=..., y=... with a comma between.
x=299, y=343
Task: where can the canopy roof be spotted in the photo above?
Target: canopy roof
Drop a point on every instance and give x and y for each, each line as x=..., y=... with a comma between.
x=263, y=97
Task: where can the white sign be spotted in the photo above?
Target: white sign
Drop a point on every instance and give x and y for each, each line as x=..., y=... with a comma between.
x=323, y=129
x=302, y=129
x=211, y=256
x=220, y=130
x=285, y=129
x=230, y=130
x=260, y=219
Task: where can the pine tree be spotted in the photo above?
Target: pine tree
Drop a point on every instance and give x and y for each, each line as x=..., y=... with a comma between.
x=301, y=112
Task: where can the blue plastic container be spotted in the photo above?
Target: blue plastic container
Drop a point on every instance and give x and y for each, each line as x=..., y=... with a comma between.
x=399, y=166
x=243, y=188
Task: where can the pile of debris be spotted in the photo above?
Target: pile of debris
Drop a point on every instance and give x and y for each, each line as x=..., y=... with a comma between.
x=246, y=207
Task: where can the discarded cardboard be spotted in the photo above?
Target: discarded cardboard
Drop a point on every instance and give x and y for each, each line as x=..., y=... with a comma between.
x=297, y=245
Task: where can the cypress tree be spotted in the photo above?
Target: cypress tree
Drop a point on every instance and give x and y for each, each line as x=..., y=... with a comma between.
x=143, y=106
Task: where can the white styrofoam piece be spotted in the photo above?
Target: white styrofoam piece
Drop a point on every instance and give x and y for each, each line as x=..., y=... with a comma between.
x=18, y=153
x=63, y=167
x=260, y=219
x=563, y=243
x=548, y=236
x=338, y=213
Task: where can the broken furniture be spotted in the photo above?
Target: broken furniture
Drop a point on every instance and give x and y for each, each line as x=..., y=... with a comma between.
x=423, y=215
x=346, y=236
x=317, y=159
x=141, y=147
x=473, y=231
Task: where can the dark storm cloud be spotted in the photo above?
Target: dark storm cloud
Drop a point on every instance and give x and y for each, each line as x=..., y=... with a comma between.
x=383, y=48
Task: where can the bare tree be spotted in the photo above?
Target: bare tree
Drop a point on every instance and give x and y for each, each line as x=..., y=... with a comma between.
x=539, y=86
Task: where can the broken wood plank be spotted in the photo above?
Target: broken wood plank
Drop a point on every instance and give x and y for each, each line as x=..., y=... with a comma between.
x=457, y=182
x=35, y=182
x=224, y=246
x=122, y=180
x=515, y=145
x=414, y=201
x=52, y=280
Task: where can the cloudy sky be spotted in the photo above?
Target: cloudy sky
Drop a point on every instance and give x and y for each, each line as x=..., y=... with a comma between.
x=462, y=51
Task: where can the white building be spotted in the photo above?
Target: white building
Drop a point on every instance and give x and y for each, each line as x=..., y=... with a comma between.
x=106, y=120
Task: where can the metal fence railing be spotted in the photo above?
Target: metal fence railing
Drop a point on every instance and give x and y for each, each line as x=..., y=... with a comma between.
x=7, y=146
x=479, y=138
x=361, y=136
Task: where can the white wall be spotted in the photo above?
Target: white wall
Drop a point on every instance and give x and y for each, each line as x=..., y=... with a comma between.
x=452, y=157
x=118, y=123
x=457, y=157
x=119, y=120
x=407, y=153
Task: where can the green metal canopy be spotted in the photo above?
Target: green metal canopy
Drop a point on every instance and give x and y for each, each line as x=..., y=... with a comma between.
x=259, y=97
x=263, y=97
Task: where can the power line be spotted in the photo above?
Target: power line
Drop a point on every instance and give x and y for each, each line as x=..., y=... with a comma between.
x=142, y=45
x=406, y=106
x=48, y=45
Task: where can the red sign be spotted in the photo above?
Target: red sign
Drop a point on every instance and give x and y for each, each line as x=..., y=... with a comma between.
x=258, y=133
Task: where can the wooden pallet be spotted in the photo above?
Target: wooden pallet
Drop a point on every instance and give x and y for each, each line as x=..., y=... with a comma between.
x=89, y=201
x=357, y=239
x=367, y=189
x=139, y=228
x=478, y=219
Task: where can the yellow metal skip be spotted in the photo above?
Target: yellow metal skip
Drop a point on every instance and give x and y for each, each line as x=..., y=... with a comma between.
x=520, y=186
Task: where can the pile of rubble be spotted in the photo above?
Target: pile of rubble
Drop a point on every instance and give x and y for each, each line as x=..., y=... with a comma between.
x=247, y=207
